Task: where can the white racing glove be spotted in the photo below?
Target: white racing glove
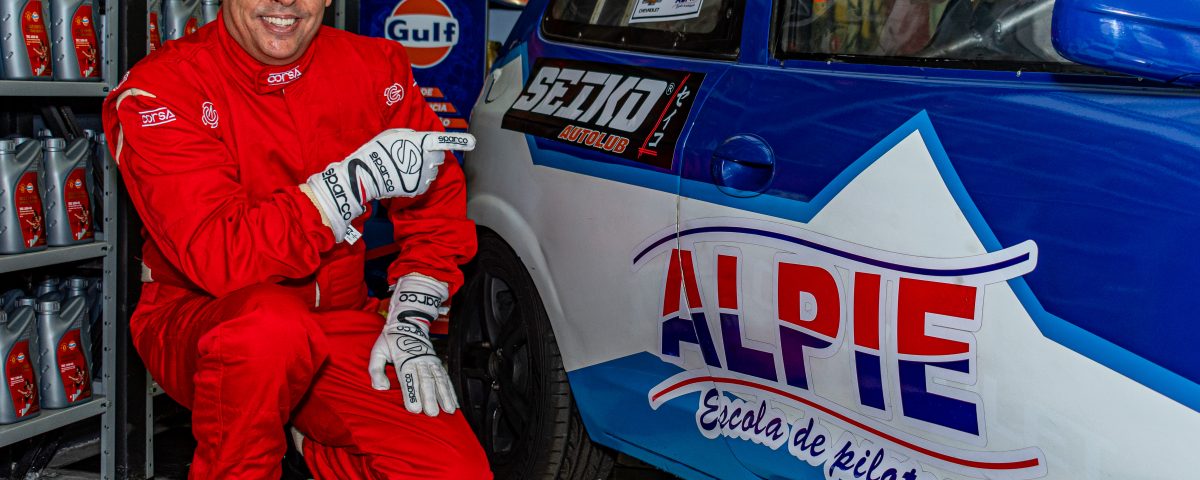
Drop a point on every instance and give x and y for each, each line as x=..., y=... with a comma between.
x=405, y=344
x=396, y=163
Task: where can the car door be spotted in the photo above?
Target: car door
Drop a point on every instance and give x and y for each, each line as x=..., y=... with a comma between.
x=934, y=248
x=599, y=95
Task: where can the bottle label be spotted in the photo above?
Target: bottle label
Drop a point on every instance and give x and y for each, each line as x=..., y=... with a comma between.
x=84, y=33
x=192, y=25
x=28, y=200
x=72, y=365
x=37, y=41
x=152, y=31
x=20, y=380
x=79, y=204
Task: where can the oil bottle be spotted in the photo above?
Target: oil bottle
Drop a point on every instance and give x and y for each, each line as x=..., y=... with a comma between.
x=16, y=333
x=153, y=25
x=180, y=17
x=25, y=40
x=22, y=220
x=9, y=299
x=79, y=287
x=68, y=201
x=62, y=364
x=209, y=9
x=47, y=286
x=76, y=49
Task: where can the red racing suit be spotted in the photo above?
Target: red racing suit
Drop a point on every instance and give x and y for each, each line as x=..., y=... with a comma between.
x=251, y=315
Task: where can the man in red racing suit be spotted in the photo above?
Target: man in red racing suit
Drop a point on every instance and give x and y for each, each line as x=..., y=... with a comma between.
x=254, y=312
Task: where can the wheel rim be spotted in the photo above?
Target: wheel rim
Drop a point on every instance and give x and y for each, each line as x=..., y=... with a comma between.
x=496, y=367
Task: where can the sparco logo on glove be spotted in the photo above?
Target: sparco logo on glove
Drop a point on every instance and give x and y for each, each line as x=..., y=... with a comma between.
x=415, y=157
x=418, y=297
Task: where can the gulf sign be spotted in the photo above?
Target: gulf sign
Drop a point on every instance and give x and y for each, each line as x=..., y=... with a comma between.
x=908, y=324
x=426, y=28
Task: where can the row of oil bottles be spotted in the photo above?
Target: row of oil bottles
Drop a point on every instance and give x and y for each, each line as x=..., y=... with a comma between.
x=47, y=191
x=60, y=40
x=45, y=344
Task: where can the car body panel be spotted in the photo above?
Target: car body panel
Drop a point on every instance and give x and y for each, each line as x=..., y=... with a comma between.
x=1035, y=198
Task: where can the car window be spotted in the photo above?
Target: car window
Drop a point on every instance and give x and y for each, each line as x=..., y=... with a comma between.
x=698, y=28
x=1000, y=34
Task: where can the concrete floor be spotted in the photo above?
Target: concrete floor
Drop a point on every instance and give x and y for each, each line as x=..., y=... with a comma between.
x=173, y=447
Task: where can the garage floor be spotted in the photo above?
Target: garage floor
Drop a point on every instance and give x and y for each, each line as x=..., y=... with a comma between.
x=173, y=446
x=172, y=459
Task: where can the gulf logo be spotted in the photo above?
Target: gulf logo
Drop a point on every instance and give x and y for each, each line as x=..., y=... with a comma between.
x=426, y=28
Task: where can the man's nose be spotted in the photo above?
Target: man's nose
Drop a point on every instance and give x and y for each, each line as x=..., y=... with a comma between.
x=286, y=3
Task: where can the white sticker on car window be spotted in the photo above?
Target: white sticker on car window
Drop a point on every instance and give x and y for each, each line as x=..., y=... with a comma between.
x=664, y=10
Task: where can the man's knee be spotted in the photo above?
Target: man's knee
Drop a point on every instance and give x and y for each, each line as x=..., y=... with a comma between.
x=467, y=462
x=269, y=327
x=463, y=462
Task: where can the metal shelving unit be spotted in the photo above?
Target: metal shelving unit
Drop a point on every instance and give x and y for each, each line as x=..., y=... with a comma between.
x=30, y=88
x=101, y=404
x=53, y=256
x=52, y=419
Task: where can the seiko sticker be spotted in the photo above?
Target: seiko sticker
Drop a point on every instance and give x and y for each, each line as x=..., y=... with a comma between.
x=157, y=116
x=635, y=113
x=908, y=322
x=664, y=10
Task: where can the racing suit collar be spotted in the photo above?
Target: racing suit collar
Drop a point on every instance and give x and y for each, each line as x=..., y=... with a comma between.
x=264, y=78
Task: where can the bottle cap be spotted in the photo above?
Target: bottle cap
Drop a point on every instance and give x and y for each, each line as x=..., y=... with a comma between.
x=7, y=145
x=27, y=302
x=55, y=144
x=3, y=317
x=48, y=304
x=77, y=283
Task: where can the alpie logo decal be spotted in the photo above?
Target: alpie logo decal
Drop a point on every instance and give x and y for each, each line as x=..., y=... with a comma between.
x=905, y=325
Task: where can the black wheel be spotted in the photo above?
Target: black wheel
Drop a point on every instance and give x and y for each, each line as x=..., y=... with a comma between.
x=509, y=376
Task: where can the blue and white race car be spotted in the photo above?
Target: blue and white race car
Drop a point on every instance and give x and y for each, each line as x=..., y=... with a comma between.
x=839, y=239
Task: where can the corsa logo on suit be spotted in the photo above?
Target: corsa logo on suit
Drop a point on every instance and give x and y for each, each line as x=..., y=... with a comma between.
x=426, y=28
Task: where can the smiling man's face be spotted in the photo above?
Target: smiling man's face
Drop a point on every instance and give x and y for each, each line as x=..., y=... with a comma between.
x=274, y=32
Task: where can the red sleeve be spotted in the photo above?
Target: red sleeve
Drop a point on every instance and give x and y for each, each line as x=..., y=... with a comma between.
x=432, y=230
x=184, y=184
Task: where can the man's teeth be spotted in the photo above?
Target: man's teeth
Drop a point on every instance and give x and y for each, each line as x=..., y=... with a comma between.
x=280, y=22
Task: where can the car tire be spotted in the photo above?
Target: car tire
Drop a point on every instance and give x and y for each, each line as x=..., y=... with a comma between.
x=509, y=376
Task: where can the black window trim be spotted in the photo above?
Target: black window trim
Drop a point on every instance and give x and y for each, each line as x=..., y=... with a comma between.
x=725, y=43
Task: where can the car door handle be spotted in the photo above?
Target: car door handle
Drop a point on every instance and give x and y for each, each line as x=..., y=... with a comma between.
x=743, y=165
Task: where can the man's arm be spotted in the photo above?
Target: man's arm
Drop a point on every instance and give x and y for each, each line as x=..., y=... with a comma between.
x=433, y=231
x=186, y=188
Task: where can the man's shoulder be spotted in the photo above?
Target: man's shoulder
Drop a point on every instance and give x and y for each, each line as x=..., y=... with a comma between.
x=370, y=49
x=178, y=65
